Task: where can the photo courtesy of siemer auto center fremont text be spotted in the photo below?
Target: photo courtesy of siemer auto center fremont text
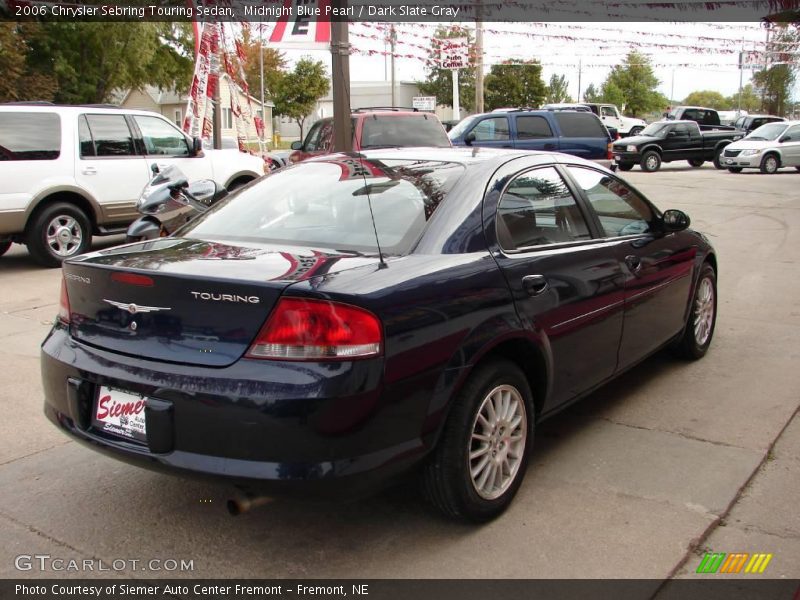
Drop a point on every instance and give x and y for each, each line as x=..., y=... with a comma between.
x=400, y=299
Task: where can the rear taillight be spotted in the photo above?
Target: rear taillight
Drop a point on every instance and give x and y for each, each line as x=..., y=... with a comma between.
x=610, y=150
x=63, y=303
x=301, y=329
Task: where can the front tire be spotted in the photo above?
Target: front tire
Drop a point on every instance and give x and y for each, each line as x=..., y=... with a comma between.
x=651, y=161
x=718, y=160
x=770, y=164
x=480, y=460
x=702, y=316
x=635, y=131
x=735, y=169
x=4, y=246
x=696, y=162
x=625, y=166
x=58, y=232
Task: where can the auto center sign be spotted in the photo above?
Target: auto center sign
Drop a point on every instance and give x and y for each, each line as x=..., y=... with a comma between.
x=454, y=53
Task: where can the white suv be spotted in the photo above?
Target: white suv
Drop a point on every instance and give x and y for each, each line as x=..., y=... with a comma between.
x=71, y=172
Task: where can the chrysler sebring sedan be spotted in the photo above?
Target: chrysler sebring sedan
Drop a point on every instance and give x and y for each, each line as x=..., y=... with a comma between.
x=358, y=316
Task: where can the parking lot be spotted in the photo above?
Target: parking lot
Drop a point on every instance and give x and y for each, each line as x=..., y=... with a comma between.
x=636, y=481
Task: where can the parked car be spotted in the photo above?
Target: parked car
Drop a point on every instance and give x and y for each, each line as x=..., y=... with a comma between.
x=768, y=148
x=573, y=132
x=612, y=117
x=375, y=128
x=706, y=118
x=273, y=343
x=750, y=123
x=669, y=141
x=71, y=172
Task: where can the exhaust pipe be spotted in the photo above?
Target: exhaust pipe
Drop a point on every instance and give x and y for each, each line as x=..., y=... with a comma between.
x=243, y=504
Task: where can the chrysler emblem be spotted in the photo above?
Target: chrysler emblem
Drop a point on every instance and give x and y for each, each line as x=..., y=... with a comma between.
x=135, y=308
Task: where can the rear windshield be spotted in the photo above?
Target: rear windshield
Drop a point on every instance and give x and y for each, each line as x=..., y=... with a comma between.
x=580, y=124
x=29, y=136
x=384, y=131
x=326, y=204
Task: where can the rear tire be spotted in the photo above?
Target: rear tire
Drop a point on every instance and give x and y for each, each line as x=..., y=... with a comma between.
x=58, y=232
x=480, y=460
x=4, y=246
x=770, y=164
x=696, y=162
x=735, y=169
x=718, y=160
x=702, y=316
x=625, y=166
x=798, y=168
x=635, y=131
x=651, y=161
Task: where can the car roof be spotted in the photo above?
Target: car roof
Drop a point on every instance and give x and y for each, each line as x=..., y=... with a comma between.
x=73, y=108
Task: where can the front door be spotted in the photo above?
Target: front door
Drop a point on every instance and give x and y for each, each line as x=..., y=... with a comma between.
x=657, y=268
x=567, y=286
x=165, y=145
x=491, y=132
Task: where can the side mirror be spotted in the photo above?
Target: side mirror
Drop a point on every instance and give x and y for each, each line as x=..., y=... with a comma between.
x=675, y=220
x=469, y=138
x=784, y=138
x=204, y=190
x=197, y=146
x=298, y=145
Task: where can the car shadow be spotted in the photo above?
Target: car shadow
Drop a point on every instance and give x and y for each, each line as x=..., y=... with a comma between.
x=18, y=259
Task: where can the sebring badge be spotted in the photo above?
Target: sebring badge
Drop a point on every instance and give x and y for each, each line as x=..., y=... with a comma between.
x=135, y=308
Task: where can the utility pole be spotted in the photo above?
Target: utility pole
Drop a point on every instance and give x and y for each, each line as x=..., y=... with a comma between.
x=741, y=71
x=579, y=79
x=456, y=105
x=340, y=73
x=672, y=89
x=479, y=59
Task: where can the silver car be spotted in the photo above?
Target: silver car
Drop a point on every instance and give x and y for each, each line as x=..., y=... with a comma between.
x=768, y=148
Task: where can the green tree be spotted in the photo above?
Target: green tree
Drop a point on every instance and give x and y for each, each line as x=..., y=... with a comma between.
x=438, y=82
x=515, y=83
x=751, y=101
x=775, y=83
x=634, y=83
x=296, y=92
x=592, y=94
x=707, y=98
x=274, y=65
x=79, y=63
x=557, y=90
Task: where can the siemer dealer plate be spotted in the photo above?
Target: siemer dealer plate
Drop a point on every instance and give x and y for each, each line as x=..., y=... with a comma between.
x=120, y=413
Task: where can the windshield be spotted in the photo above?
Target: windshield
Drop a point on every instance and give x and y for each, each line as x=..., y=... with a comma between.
x=767, y=133
x=655, y=129
x=324, y=204
x=463, y=125
x=402, y=131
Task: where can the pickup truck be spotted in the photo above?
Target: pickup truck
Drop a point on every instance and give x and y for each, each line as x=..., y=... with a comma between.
x=706, y=118
x=668, y=141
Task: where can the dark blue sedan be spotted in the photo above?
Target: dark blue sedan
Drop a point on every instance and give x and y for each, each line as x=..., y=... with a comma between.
x=341, y=321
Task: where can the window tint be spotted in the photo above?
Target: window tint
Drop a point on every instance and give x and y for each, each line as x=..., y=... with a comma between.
x=85, y=137
x=793, y=133
x=111, y=135
x=607, y=111
x=529, y=128
x=537, y=208
x=312, y=138
x=29, y=136
x=405, y=130
x=580, y=124
x=620, y=210
x=325, y=141
x=492, y=129
x=161, y=138
x=682, y=129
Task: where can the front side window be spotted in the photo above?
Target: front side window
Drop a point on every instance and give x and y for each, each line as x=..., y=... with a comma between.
x=161, y=138
x=111, y=135
x=491, y=130
x=621, y=211
x=531, y=128
x=607, y=111
x=29, y=136
x=311, y=142
x=326, y=204
x=537, y=208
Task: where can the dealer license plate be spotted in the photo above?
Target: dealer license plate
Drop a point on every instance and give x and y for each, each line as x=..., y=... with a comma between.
x=120, y=413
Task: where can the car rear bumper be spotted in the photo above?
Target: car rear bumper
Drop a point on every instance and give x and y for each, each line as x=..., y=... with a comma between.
x=329, y=429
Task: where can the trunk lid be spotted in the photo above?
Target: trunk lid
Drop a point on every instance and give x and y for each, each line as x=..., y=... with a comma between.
x=183, y=300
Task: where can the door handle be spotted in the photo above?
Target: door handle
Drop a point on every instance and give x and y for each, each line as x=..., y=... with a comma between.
x=534, y=284
x=634, y=263
x=89, y=171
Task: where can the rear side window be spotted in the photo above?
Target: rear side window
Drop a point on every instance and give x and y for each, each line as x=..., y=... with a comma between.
x=111, y=135
x=531, y=128
x=382, y=131
x=537, y=208
x=579, y=124
x=29, y=136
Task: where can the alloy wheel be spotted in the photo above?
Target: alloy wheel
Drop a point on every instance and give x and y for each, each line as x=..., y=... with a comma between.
x=703, y=311
x=64, y=235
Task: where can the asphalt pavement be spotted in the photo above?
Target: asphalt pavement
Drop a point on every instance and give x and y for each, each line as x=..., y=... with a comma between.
x=639, y=480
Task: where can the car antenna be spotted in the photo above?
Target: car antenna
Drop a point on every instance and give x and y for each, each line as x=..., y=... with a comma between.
x=381, y=263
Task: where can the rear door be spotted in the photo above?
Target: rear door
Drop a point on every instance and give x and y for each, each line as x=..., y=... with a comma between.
x=110, y=167
x=657, y=268
x=534, y=133
x=791, y=147
x=567, y=286
x=582, y=134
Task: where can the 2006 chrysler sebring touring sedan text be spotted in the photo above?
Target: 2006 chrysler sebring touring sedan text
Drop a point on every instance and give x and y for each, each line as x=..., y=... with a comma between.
x=270, y=343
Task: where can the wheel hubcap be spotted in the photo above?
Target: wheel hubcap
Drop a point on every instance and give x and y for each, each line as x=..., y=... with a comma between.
x=772, y=165
x=497, y=442
x=651, y=162
x=64, y=235
x=703, y=311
